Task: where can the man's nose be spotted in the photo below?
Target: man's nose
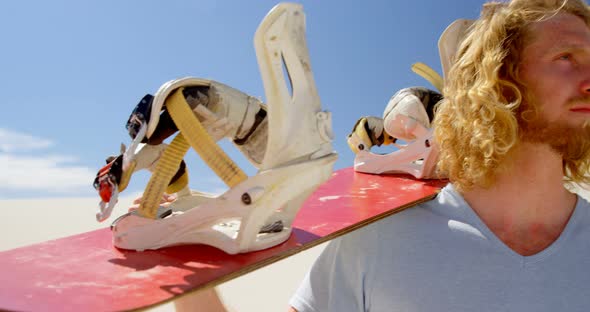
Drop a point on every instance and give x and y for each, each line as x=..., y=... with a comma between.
x=585, y=85
x=583, y=73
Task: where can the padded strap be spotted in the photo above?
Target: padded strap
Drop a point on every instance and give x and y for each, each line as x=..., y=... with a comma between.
x=201, y=142
x=192, y=134
x=166, y=167
x=429, y=74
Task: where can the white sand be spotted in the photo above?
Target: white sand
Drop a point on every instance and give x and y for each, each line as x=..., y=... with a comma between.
x=25, y=222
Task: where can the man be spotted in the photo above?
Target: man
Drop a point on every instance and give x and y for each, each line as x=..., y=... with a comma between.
x=505, y=234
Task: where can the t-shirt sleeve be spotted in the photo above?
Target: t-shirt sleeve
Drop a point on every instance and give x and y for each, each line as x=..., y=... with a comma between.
x=336, y=280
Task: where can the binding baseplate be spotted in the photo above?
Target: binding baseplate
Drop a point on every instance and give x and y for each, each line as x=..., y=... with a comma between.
x=256, y=212
x=417, y=158
x=406, y=118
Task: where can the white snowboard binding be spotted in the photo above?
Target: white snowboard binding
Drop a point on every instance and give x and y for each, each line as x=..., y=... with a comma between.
x=289, y=141
x=407, y=117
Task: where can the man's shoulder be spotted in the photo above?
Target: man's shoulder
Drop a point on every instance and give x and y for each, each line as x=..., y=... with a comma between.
x=419, y=223
x=447, y=205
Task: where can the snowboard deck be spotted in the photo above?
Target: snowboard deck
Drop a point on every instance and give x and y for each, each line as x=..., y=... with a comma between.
x=86, y=272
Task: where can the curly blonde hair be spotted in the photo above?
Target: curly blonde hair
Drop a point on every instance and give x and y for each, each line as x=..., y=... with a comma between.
x=477, y=123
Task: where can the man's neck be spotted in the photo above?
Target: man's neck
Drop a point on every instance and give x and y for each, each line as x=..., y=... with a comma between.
x=528, y=206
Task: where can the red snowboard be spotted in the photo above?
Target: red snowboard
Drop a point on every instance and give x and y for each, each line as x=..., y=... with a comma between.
x=86, y=273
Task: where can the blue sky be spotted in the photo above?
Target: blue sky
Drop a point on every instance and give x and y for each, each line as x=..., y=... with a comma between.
x=72, y=71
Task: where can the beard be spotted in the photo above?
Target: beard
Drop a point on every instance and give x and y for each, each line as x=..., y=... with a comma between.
x=572, y=142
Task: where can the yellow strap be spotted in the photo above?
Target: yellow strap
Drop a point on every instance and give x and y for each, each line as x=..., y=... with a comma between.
x=429, y=74
x=165, y=169
x=361, y=133
x=199, y=139
x=387, y=139
x=360, y=129
x=126, y=176
x=178, y=184
x=190, y=127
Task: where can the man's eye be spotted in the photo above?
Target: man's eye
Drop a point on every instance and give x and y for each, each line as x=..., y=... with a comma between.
x=565, y=57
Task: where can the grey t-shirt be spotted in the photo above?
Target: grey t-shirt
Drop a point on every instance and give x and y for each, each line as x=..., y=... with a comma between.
x=440, y=256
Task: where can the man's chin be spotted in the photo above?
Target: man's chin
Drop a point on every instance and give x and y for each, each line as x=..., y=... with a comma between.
x=571, y=142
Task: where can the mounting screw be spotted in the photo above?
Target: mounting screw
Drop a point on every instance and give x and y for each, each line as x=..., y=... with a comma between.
x=246, y=199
